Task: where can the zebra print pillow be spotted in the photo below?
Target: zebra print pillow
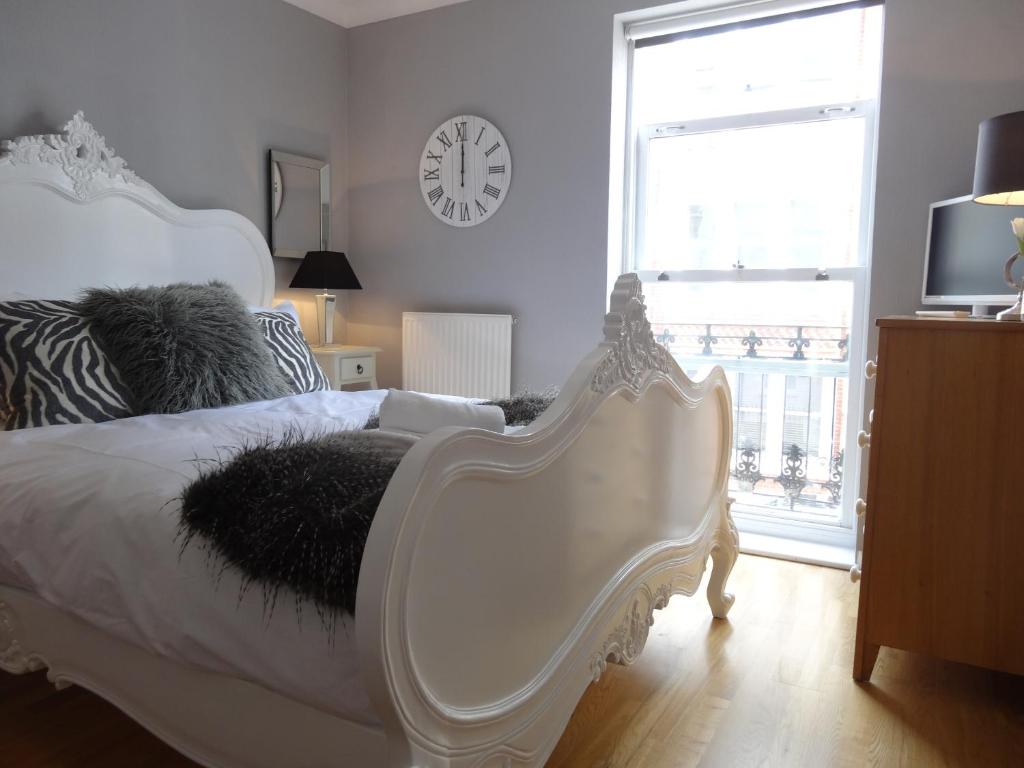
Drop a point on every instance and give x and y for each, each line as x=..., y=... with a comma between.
x=51, y=369
x=291, y=352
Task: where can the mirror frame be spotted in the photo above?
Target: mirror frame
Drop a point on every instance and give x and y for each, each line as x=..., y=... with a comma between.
x=276, y=197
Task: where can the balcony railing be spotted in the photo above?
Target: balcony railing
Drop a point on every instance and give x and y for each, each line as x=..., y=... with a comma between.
x=789, y=398
x=772, y=342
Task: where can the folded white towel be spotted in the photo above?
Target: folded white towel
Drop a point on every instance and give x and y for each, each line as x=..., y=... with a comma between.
x=420, y=414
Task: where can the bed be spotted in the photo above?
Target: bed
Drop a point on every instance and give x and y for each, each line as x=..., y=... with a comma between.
x=502, y=573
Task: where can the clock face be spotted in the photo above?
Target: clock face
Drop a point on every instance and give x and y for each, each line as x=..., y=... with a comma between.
x=465, y=171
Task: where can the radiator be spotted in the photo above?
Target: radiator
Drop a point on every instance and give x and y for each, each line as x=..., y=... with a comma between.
x=457, y=354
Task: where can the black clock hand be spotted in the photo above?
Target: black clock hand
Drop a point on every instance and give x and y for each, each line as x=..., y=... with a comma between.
x=463, y=146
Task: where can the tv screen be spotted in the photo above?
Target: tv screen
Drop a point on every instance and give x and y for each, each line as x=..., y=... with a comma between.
x=968, y=244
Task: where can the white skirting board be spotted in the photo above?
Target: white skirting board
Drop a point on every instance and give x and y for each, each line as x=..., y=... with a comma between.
x=457, y=354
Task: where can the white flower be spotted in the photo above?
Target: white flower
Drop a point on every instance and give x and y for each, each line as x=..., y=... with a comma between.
x=1018, y=228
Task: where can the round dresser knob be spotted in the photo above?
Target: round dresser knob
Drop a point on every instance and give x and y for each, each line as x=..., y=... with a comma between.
x=359, y=368
x=860, y=507
x=855, y=574
x=870, y=369
x=864, y=439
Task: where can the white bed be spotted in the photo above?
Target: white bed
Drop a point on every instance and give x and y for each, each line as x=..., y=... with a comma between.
x=501, y=573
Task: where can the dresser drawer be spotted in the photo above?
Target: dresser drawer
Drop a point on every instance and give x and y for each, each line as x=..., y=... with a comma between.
x=353, y=368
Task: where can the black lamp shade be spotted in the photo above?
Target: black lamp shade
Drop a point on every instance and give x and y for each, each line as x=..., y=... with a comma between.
x=999, y=167
x=325, y=269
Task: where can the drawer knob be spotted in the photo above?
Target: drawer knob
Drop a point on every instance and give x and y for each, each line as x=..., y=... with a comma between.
x=359, y=368
x=870, y=369
x=864, y=439
x=860, y=507
x=855, y=574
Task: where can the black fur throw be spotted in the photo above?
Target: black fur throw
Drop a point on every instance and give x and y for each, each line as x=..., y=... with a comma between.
x=523, y=409
x=293, y=513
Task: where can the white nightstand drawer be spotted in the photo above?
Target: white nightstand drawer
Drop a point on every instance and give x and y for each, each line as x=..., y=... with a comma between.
x=346, y=364
x=357, y=368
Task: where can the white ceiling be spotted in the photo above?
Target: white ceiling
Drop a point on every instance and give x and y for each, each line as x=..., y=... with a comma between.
x=352, y=13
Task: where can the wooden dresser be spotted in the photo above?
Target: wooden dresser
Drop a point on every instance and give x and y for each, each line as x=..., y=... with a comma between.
x=943, y=566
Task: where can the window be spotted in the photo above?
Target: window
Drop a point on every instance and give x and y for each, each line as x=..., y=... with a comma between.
x=750, y=187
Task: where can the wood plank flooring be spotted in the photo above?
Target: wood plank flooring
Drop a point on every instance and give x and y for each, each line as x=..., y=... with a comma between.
x=770, y=687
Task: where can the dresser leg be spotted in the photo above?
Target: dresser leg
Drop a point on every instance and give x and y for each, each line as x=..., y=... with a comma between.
x=864, y=657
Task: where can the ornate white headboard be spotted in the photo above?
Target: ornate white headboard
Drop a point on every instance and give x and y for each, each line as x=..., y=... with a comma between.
x=73, y=216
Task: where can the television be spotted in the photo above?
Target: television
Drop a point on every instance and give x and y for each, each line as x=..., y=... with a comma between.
x=967, y=246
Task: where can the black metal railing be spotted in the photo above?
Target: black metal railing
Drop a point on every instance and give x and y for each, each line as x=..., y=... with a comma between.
x=772, y=342
x=792, y=483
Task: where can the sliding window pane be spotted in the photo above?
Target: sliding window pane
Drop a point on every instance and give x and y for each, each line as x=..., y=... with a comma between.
x=775, y=197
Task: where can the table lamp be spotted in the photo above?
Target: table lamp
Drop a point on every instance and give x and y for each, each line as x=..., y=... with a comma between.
x=325, y=270
x=999, y=180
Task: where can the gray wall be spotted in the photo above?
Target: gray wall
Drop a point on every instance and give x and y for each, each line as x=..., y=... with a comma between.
x=191, y=93
x=541, y=70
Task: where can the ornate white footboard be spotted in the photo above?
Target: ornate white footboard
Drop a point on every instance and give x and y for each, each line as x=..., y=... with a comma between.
x=503, y=573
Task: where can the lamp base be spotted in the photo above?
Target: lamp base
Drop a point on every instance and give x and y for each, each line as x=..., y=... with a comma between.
x=1013, y=314
x=325, y=318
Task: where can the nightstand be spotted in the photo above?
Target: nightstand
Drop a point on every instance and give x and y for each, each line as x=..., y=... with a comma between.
x=346, y=365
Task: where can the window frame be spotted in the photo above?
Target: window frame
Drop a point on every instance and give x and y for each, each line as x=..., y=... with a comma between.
x=638, y=138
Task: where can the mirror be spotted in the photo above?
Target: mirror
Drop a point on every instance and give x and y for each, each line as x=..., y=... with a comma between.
x=300, y=204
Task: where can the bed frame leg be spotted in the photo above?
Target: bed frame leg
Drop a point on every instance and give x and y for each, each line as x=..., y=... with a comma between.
x=724, y=552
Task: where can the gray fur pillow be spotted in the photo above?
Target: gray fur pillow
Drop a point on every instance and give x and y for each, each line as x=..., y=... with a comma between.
x=183, y=347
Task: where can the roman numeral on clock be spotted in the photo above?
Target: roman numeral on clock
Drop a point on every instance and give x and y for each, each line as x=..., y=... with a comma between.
x=435, y=195
x=492, y=191
x=431, y=174
x=460, y=131
x=480, y=136
x=481, y=208
x=449, y=207
x=463, y=211
x=435, y=158
x=445, y=141
x=495, y=148
x=495, y=169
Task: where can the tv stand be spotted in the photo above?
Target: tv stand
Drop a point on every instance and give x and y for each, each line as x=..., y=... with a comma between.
x=982, y=311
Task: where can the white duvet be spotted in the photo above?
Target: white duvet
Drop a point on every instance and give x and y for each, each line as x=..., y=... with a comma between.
x=88, y=519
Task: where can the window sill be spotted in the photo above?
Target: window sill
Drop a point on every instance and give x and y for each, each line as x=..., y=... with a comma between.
x=815, y=553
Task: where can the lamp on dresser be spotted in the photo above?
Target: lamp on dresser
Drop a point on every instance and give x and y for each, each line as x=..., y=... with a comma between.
x=999, y=180
x=325, y=270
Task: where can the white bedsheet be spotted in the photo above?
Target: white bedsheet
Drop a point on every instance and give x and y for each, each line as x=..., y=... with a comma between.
x=88, y=520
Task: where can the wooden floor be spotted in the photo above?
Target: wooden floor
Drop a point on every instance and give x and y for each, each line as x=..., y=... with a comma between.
x=770, y=687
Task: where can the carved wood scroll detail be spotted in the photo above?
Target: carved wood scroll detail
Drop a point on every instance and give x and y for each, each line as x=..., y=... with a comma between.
x=13, y=657
x=628, y=639
x=632, y=350
x=78, y=150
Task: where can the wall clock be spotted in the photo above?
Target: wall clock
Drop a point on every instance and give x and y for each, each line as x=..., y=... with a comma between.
x=465, y=171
